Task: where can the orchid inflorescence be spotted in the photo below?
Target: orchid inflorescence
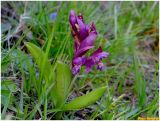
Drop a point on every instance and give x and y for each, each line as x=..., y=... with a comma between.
x=84, y=36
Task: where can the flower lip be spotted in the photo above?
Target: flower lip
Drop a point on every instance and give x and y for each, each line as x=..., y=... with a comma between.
x=79, y=61
x=76, y=69
x=82, y=51
x=100, y=66
x=99, y=54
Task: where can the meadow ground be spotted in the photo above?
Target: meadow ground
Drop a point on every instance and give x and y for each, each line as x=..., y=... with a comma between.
x=128, y=31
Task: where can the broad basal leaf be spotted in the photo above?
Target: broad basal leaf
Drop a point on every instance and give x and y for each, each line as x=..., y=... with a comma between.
x=63, y=79
x=39, y=56
x=85, y=100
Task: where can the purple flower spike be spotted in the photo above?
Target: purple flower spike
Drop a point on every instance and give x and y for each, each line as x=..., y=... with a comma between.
x=84, y=36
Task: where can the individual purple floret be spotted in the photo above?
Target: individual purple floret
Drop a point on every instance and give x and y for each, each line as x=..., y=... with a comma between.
x=84, y=36
x=96, y=58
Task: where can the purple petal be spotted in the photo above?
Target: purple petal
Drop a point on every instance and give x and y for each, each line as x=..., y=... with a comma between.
x=82, y=51
x=82, y=29
x=88, y=69
x=72, y=18
x=89, y=64
x=99, y=55
x=76, y=69
x=88, y=41
x=87, y=28
x=79, y=61
x=100, y=66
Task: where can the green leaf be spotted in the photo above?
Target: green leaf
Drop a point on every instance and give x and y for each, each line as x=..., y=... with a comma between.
x=5, y=63
x=6, y=105
x=8, y=85
x=39, y=56
x=63, y=80
x=140, y=84
x=5, y=96
x=85, y=100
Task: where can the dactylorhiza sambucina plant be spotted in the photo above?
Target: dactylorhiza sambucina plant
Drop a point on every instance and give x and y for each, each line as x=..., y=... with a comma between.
x=84, y=37
x=57, y=84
